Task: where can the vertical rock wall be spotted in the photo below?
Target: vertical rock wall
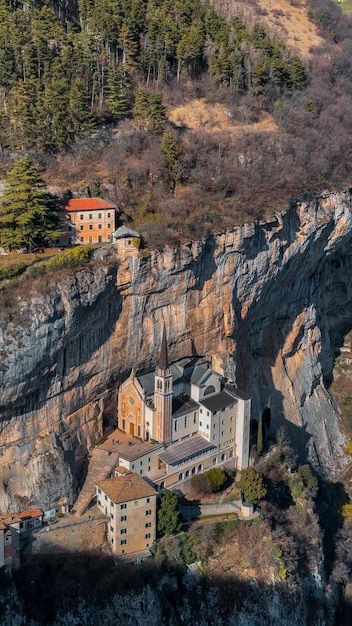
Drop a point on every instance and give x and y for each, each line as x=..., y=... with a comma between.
x=273, y=298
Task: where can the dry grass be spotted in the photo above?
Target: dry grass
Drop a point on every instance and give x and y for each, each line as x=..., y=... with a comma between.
x=288, y=23
x=214, y=118
x=6, y=260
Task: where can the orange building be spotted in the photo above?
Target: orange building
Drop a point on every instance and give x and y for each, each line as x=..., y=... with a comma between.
x=88, y=220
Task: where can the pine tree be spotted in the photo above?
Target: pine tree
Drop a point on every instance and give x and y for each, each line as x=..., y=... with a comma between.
x=170, y=149
x=260, y=434
x=28, y=215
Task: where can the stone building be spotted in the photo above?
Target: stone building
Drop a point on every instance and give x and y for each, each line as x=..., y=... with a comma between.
x=130, y=504
x=88, y=220
x=191, y=416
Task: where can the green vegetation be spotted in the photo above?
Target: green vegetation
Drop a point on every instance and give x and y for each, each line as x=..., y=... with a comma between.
x=169, y=516
x=252, y=485
x=28, y=215
x=65, y=70
x=210, y=481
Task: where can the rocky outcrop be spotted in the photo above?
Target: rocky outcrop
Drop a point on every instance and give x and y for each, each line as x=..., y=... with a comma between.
x=273, y=298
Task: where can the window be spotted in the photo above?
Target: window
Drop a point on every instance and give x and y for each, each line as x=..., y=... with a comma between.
x=81, y=217
x=201, y=410
x=148, y=525
x=214, y=461
x=99, y=490
x=123, y=543
x=108, y=214
x=111, y=503
x=200, y=424
x=148, y=512
x=148, y=459
x=148, y=468
x=222, y=433
x=148, y=500
x=123, y=424
x=207, y=426
x=112, y=540
x=90, y=216
x=106, y=497
x=99, y=226
x=207, y=413
x=109, y=225
x=99, y=215
x=223, y=422
x=214, y=437
x=123, y=531
x=139, y=432
x=99, y=503
x=123, y=518
x=194, y=418
x=90, y=226
x=132, y=465
x=82, y=239
x=180, y=476
x=141, y=472
x=148, y=535
x=230, y=429
x=111, y=515
x=176, y=426
x=186, y=420
x=111, y=529
x=123, y=506
x=70, y=227
x=21, y=524
x=81, y=227
x=140, y=462
x=214, y=425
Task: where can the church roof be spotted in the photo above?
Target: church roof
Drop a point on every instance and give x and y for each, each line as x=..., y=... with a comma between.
x=218, y=401
x=183, y=404
x=186, y=450
x=123, y=232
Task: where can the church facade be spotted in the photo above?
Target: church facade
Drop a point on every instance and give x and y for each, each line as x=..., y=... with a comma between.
x=190, y=415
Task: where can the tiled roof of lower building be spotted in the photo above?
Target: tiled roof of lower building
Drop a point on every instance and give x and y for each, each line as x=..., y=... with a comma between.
x=185, y=450
x=125, y=488
x=183, y=404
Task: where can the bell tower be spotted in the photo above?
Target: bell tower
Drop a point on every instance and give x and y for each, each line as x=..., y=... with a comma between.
x=163, y=395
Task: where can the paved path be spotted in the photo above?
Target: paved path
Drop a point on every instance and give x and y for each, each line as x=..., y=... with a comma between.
x=193, y=512
x=101, y=465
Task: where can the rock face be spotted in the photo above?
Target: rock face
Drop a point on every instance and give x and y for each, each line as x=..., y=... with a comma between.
x=271, y=300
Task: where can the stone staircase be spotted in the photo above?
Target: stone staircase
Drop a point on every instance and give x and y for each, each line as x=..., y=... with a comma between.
x=101, y=465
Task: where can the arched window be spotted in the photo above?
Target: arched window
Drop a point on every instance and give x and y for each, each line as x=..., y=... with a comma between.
x=200, y=468
x=210, y=389
x=180, y=476
x=214, y=461
x=187, y=474
x=223, y=457
x=193, y=470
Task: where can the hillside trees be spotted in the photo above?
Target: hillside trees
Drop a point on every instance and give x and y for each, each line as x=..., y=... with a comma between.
x=53, y=71
x=252, y=485
x=28, y=215
x=169, y=517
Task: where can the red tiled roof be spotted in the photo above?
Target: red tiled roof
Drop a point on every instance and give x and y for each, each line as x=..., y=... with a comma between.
x=87, y=204
x=125, y=488
x=30, y=513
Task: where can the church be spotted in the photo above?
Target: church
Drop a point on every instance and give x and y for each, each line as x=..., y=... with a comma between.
x=184, y=418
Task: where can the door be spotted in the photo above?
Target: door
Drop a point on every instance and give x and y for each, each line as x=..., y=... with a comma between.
x=131, y=428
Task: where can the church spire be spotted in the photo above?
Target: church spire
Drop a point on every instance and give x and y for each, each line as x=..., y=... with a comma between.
x=163, y=358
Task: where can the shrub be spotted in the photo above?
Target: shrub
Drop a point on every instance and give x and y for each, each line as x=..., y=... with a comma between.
x=6, y=273
x=252, y=484
x=200, y=483
x=216, y=477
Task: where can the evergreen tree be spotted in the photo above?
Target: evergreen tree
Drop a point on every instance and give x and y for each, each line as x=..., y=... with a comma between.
x=260, y=434
x=169, y=517
x=251, y=482
x=170, y=149
x=28, y=215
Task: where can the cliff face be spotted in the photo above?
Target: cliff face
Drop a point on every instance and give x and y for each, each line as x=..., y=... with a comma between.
x=275, y=297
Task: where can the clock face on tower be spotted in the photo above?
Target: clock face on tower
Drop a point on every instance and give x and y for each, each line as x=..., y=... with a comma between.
x=131, y=401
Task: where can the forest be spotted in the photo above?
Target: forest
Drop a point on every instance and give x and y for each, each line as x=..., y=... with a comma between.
x=84, y=81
